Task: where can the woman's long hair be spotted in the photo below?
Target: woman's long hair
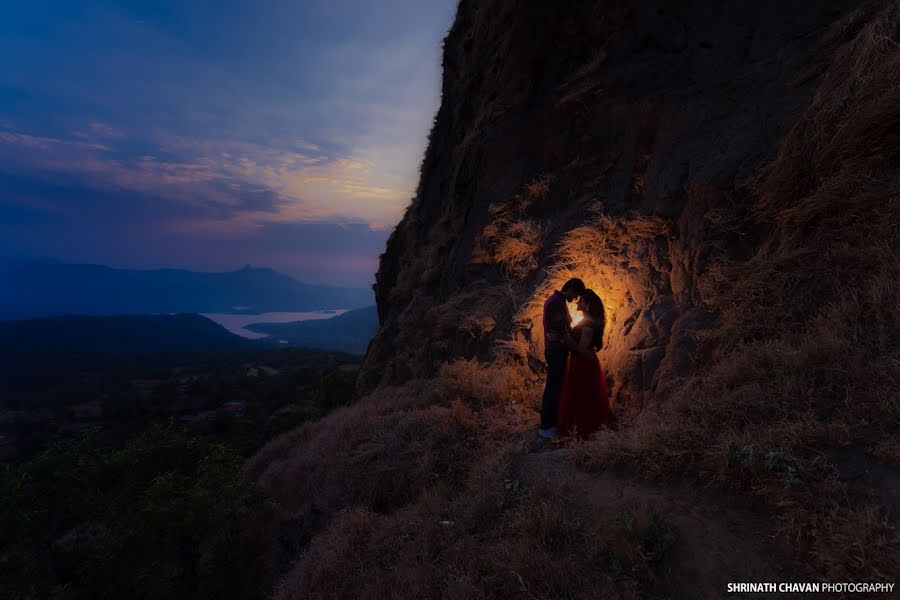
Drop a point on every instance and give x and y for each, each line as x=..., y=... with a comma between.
x=595, y=309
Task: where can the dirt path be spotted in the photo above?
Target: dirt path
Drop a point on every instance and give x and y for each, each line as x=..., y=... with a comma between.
x=717, y=542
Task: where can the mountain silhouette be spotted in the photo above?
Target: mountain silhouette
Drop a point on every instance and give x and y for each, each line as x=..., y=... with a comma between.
x=49, y=289
x=122, y=334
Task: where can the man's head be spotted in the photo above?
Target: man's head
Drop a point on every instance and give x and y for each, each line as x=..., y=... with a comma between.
x=572, y=289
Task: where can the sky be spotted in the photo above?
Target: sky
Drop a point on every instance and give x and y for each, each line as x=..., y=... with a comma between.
x=210, y=134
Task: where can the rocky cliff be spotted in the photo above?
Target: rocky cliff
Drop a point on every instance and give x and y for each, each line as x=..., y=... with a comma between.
x=726, y=175
x=650, y=115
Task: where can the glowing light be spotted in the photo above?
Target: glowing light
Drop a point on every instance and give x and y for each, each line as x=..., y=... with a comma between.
x=576, y=314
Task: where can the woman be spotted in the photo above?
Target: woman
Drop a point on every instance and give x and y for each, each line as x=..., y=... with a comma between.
x=584, y=403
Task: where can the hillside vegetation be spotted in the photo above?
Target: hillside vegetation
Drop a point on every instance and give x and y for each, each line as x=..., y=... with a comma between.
x=726, y=176
x=120, y=475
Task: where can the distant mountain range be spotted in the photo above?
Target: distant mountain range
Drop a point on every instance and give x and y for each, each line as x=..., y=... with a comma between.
x=124, y=334
x=49, y=289
x=349, y=332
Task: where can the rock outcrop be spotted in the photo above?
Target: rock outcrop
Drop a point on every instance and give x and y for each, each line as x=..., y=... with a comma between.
x=726, y=176
x=647, y=118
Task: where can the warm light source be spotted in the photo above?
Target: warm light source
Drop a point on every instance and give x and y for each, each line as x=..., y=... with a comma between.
x=576, y=314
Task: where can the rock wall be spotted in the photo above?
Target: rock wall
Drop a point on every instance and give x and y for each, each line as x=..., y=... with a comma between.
x=642, y=119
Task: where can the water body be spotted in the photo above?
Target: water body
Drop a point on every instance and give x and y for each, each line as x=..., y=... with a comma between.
x=237, y=323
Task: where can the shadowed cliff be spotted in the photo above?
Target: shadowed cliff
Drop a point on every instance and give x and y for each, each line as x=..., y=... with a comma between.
x=725, y=176
x=653, y=115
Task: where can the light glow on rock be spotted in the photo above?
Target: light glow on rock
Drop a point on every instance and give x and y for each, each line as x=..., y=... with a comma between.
x=576, y=314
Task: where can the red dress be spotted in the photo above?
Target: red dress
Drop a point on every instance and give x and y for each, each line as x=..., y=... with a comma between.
x=584, y=402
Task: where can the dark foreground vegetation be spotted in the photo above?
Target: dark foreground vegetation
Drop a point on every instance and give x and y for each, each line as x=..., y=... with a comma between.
x=123, y=475
x=166, y=516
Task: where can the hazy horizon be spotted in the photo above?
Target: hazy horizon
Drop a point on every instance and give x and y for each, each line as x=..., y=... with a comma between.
x=12, y=263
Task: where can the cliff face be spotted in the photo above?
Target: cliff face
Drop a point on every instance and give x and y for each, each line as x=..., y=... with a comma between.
x=726, y=175
x=642, y=119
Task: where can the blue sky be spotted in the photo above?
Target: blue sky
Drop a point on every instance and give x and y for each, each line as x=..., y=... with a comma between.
x=210, y=134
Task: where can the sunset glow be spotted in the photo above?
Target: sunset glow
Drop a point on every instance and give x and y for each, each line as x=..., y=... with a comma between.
x=237, y=124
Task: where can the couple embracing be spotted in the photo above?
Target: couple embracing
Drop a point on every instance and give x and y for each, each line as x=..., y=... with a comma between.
x=576, y=399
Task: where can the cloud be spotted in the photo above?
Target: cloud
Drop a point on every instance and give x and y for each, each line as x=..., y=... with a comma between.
x=252, y=182
x=129, y=229
x=24, y=141
x=207, y=121
x=104, y=130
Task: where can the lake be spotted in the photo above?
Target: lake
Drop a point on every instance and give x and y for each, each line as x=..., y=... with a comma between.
x=237, y=323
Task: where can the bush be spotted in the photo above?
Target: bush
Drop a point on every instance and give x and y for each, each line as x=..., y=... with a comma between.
x=160, y=518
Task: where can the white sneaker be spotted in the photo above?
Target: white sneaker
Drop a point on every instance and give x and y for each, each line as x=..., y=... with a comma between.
x=547, y=433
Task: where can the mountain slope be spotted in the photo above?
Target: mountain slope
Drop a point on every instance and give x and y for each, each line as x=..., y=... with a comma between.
x=652, y=117
x=348, y=332
x=116, y=335
x=47, y=289
x=725, y=175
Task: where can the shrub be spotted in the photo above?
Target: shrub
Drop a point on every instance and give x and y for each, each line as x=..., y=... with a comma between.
x=160, y=518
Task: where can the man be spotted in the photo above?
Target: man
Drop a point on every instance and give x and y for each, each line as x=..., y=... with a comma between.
x=557, y=323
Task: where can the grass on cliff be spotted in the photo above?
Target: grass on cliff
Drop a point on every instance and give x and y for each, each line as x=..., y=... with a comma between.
x=511, y=239
x=806, y=355
x=410, y=494
x=599, y=252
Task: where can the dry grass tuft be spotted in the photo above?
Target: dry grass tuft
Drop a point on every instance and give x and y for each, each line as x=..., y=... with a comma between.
x=517, y=348
x=512, y=244
x=379, y=454
x=846, y=542
x=888, y=452
x=516, y=251
x=500, y=382
x=468, y=316
x=591, y=67
x=511, y=240
x=539, y=189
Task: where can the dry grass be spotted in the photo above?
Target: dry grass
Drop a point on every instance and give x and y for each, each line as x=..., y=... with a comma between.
x=467, y=316
x=511, y=240
x=378, y=454
x=512, y=244
x=582, y=86
x=500, y=381
x=806, y=355
x=615, y=257
x=489, y=542
x=595, y=253
x=409, y=494
x=516, y=251
x=538, y=189
x=849, y=543
x=517, y=348
x=888, y=452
